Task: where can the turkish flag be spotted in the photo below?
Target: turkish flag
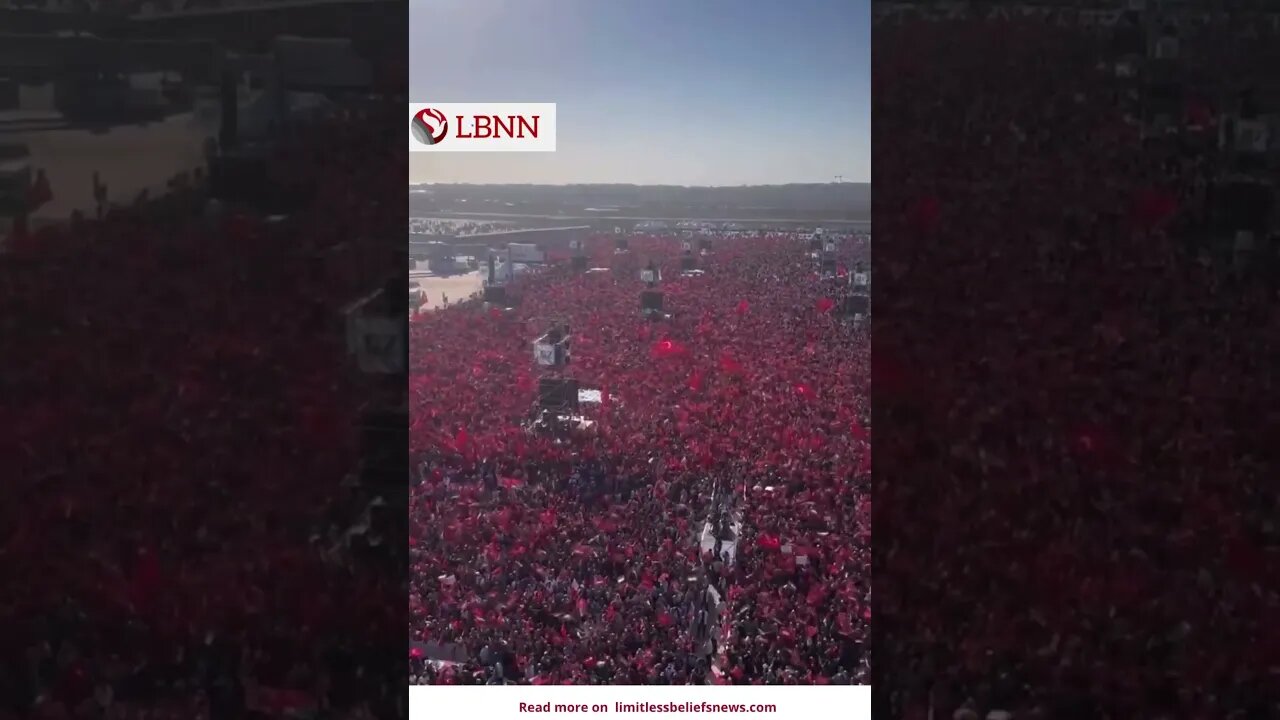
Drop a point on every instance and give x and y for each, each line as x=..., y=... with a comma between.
x=667, y=349
x=1153, y=207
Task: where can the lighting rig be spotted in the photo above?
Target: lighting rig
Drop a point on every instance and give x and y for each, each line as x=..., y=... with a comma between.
x=651, y=298
x=496, y=292
x=827, y=258
x=552, y=349
x=687, y=259
x=555, y=412
x=579, y=259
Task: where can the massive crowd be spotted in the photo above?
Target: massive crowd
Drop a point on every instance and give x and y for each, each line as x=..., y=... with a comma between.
x=173, y=385
x=712, y=526
x=1091, y=524
x=451, y=228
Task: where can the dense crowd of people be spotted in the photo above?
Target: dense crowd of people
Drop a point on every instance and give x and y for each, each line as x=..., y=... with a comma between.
x=173, y=385
x=459, y=228
x=711, y=525
x=1089, y=524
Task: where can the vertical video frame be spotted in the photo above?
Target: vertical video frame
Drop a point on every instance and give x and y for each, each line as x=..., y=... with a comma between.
x=640, y=291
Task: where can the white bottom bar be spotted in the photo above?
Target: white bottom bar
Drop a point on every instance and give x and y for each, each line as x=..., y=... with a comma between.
x=642, y=702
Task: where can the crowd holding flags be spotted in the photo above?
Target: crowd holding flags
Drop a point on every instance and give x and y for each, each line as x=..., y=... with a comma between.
x=743, y=410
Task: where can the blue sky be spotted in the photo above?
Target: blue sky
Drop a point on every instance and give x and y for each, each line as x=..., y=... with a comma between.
x=681, y=92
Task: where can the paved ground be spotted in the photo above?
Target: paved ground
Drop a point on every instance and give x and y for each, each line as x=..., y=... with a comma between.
x=129, y=159
x=457, y=287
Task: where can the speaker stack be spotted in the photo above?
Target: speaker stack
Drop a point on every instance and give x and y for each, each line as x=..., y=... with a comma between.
x=559, y=394
x=855, y=305
x=496, y=294
x=651, y=300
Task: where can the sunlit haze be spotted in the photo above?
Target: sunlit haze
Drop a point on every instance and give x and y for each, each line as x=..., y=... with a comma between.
x=673, y=92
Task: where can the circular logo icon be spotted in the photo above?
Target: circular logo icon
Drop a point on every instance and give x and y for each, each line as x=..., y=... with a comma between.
x=429, y=126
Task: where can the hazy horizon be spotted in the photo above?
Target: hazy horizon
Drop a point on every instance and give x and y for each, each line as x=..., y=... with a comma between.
x=569, y=184
x=712, y=93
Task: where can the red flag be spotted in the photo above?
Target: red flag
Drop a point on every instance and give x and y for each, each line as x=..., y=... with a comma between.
x=695, y=381
x=1199, y=114
x=667, y=348
x=280, y=702
x=548, y=517
x=859, y=432
x=730, y=366
x=146, y=578
x=1153, y=207
x=825, y=305
x=1096, y=445
x=743, y=307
